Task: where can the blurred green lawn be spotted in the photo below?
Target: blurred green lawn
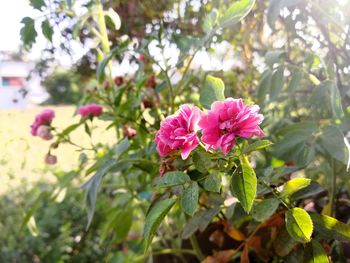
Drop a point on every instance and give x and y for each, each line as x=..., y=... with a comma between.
x=22, y=155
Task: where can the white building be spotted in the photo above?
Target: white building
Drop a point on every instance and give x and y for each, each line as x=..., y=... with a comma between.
x=17, y=90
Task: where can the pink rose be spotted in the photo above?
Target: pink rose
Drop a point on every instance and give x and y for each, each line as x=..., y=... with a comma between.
x=91, y=110
x=50, y=159
x=179, y=132
x=227, y=120
x=43, y=118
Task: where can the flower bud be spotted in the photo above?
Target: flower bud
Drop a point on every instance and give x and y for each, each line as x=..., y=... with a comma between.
x=151, y=82
x=119, y=80
x=50, y=159
x=129, y=132
x=44, y=132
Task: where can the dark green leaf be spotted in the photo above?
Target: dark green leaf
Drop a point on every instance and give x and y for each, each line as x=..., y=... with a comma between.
x=299, y=225
x=37, y=4
x=92, y=185
x=332, y=141
x=262, y=210
x=294, y=83
x=335, y=98
x=283, y=243
x=199, y=221
x=213, y=90
x=154, y=218
x=189, y=199
x=244, y=184
x=309, y=191
x=212, y=182
x=264, y=86
x=294, y=185
x=275, y=56
x=174, y=178
x=236, y=12
x=277, y=82
x=201, y=161
x=121, y=147
x=314, y=253
x=330, y=228
x=47, y=30
x=274, y=9
x=28, y=32
x=258, y=145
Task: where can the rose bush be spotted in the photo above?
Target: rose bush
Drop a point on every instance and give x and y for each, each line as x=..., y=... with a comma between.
x=198, y=171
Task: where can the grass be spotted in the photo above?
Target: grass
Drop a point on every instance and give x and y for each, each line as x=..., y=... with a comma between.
x=22, y=155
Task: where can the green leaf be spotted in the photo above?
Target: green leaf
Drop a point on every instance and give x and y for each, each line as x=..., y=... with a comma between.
x=294, y=83
x=299, y=225
x=47, y=29
x=236, y=12
x=154, y=218
x=201, y=161
x=212, y=182
x=309, y=191
x=37, y=4
x=174, y=178
x=264, y=86
x=113, y=15
x=92, y=185
x=255, y=146
x=70, y=128
x=294, y=185
x=275, y=56
x=277, y=82
x=189, y=199
x=274, y=9
x=244, y=184
x=314, y=253
x=213, y=90
x=283, y=244
x=332, y=141
x=210, y=21
x=336, y=104
x=262, y=210
x=121, y=147
x=199, y=221
x=28, y=32
x=330, y=228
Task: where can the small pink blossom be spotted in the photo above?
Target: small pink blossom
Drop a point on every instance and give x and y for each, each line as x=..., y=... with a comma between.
x=227, y=120
x=44, y=132
x=179, y=132
x=43, y=118
x=91, y=110
x=50, y=159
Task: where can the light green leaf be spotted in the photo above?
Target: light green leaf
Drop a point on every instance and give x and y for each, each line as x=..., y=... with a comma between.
x=212, y=182
x=47, y=30
x=28, y=32
x=277, y=82
x=309, y=191
x=189, y=199
x=330, y=228
x=244, y=184
x=336, y=104
x=262, y=210
x=255, y=146
x=236, y=12
x=213, y=90
x=154, y=218
x=314, y=253
x=264, y=86
x=294, y=185
x=210, y=21
x=299, y=225
x=274, y=9
x=294, y=83
x=174, y=178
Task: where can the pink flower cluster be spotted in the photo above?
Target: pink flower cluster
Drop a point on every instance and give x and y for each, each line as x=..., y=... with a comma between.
x=90, y=110
x=41, y=124
x=220, y=126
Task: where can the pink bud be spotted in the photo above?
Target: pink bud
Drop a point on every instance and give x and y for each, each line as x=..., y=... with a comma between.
x=129, y=132
x=44, y=132
x=50, y=159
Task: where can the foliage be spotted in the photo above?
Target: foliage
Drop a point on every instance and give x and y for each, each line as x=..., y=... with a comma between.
x=267, y=199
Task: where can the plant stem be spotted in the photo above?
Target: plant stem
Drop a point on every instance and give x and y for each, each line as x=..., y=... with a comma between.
x=196, y=247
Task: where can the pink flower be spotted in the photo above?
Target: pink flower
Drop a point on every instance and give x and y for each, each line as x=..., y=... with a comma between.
x=227, y=120
x=50, y=159
x=91, y=110
x=178, y=132
x=43, y=118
